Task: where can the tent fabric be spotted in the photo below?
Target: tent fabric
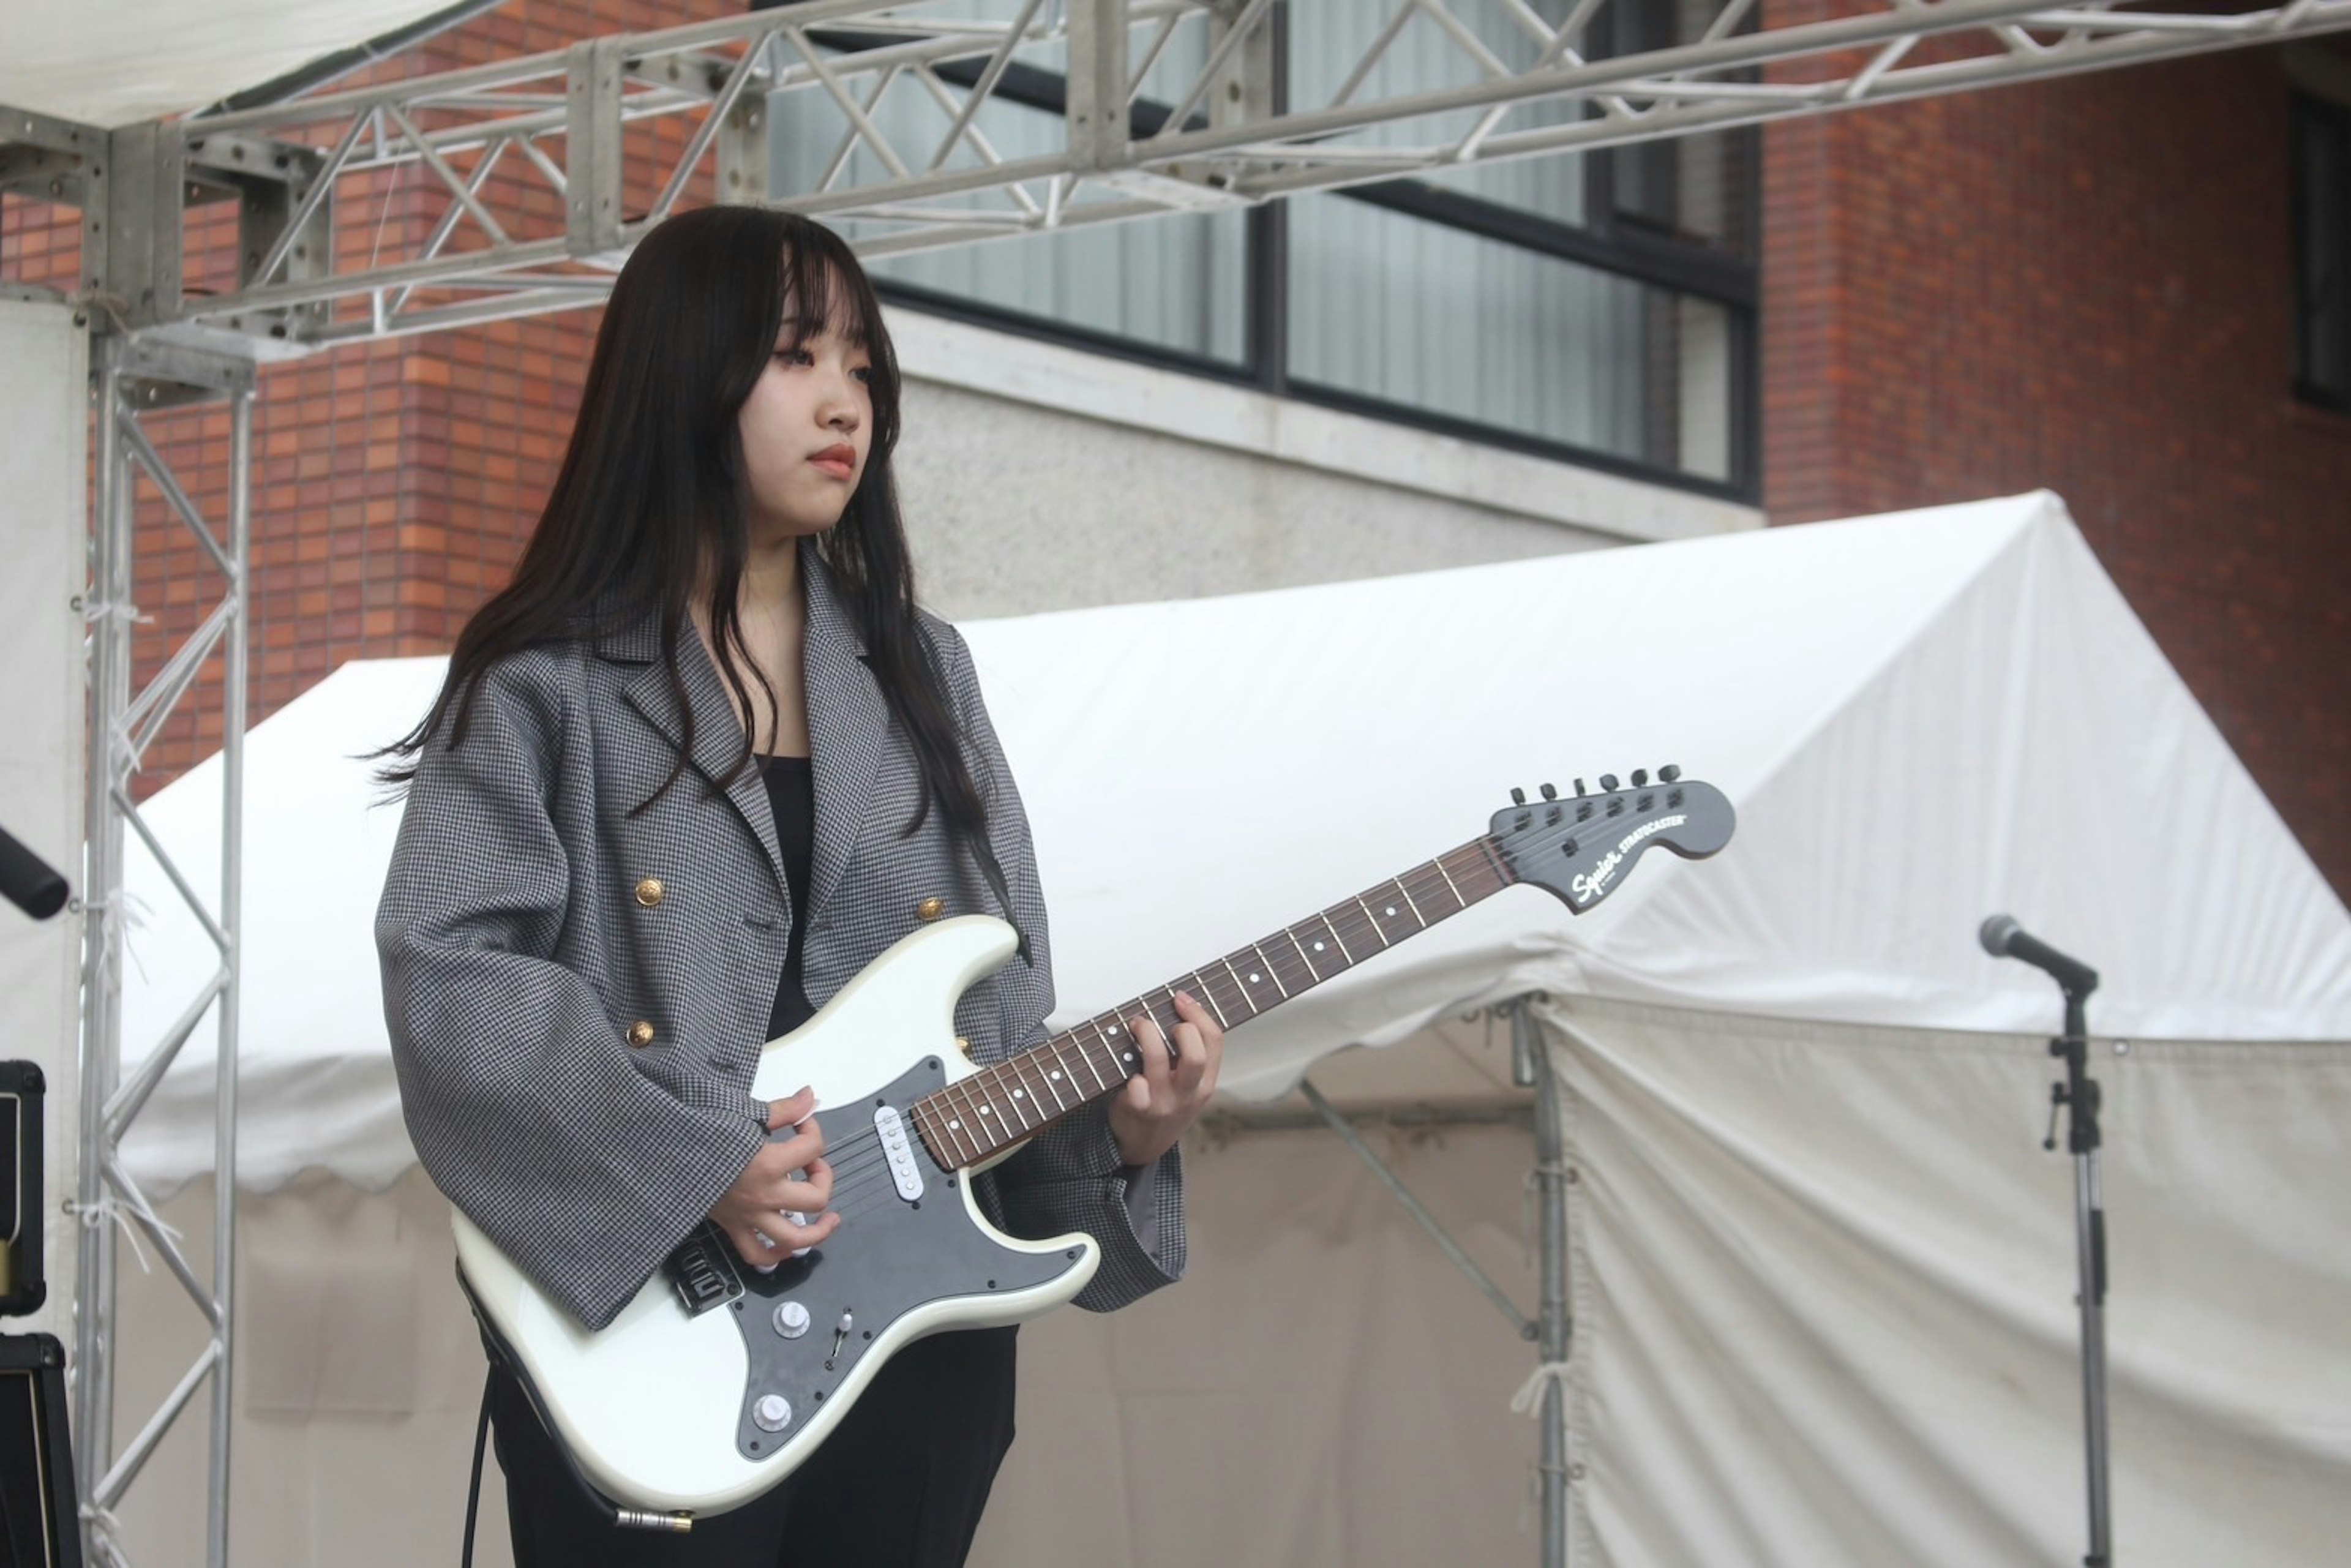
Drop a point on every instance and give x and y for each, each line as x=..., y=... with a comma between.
x=1824, y=1276
x=1323, y=1392
x=1921, y=718
x=117, y=62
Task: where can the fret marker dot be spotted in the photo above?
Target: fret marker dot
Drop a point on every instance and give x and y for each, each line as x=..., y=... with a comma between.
x=985, y=1110
x=1318, y=947
x=1252, y=979
x=953, y=1126
x=1391, y=910
x=1055, y=1076
x=1017, y=1093
x=1128, y=1057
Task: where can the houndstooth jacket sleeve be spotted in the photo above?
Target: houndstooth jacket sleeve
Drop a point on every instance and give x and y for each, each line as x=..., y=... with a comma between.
x=576, y=984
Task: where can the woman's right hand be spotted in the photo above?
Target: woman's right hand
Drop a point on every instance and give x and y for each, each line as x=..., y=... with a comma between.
x=788, y=1175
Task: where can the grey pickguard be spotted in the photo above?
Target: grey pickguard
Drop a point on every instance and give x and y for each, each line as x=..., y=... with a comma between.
x=890, y=1256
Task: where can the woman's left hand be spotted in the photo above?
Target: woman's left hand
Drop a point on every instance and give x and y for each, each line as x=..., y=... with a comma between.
x=1151, y=1113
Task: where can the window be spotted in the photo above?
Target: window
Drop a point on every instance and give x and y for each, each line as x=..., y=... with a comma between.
x=2321, y=248
x=1598, y=307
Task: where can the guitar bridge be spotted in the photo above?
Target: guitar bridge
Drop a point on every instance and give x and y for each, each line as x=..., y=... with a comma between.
x=701, y=1271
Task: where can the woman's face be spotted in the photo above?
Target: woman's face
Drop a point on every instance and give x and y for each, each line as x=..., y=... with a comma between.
x=806, y=427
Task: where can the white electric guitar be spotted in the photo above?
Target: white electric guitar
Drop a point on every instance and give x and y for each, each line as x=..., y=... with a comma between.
x=716, y=1381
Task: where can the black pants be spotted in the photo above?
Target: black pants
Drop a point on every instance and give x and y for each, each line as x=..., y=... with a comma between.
x=901, y=1481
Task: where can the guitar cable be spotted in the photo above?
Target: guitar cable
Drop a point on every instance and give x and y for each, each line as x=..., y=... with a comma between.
x=473, y=1488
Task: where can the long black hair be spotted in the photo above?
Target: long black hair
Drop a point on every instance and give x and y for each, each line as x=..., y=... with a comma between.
x=648, y=507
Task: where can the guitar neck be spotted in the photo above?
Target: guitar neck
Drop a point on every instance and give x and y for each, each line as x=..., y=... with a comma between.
x=978, y=1116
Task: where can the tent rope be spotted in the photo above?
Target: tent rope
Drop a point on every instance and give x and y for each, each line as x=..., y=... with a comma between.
x=1528, y=1400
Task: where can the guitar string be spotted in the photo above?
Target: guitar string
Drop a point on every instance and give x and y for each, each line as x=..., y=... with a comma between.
x=859, y=1161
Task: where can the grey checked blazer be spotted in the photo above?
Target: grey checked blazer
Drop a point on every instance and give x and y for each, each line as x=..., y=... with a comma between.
x=518, y=960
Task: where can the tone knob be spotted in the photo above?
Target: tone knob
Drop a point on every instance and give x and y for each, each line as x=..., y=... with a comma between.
x=772, y=1413
x=791, y=1320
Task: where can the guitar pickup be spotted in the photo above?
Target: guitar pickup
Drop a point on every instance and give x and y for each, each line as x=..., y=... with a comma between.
x=892, y=1130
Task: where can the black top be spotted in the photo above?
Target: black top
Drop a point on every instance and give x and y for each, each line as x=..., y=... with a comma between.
x=792, y=791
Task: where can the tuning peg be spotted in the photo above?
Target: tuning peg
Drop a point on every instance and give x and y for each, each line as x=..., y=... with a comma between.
x=1550, y=792
x=1640, y=776
x=1518, y=796
x=1579, y=788
x=1670, y=774
x=1608, y=783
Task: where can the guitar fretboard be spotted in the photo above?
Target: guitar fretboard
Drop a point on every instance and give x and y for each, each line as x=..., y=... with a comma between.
x=968, y=1121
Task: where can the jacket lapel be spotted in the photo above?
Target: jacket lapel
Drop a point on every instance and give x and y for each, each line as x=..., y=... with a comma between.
x=717, y=733
x=848, y=725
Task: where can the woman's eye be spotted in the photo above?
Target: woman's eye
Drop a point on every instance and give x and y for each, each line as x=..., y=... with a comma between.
x=795, y=356
x=864, y=374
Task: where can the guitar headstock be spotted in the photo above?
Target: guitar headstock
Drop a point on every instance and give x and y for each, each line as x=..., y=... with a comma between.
x=1582, y=846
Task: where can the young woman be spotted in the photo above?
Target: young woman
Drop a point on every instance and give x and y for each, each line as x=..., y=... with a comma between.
x=696, y=767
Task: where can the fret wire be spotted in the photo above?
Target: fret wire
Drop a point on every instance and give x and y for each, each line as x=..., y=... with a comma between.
x=1334, y=930
x=1271, y=973
x=1123, y=1055
x=971, y=1119
x=1019, y=1098
x=955, y=1125
x=1086, y=1055
x=1117, y=1032
x=1377, y=931
x=1291, y=932
x=1032, y=1074
x=1209, y=992
x=1439, y=864
x=1410, y=904
x=1058, y=1072
x=1240, y=991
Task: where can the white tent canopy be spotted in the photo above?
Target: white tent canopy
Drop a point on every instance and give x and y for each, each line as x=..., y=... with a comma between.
x=115, y=62
x=1822, y=1272
x=1922, y=718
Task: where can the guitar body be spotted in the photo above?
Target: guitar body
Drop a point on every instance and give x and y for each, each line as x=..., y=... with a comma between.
x=716, y=1382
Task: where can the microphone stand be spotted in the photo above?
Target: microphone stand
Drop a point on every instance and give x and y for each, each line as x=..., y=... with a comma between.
x=2079, y=1096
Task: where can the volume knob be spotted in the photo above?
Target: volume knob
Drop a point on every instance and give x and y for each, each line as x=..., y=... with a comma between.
x=791, y=1320
x=772, y=1413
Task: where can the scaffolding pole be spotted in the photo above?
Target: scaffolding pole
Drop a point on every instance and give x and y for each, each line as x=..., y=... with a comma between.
x=134, y=380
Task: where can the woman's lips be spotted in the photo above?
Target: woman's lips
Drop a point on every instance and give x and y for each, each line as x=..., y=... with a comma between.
x=839, y=462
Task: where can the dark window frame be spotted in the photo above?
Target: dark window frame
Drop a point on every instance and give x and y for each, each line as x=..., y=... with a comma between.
x=1607, y=241
x=2314, y=113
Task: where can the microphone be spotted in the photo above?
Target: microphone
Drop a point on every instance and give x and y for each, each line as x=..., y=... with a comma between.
x=2002, y=937
x=27, y=880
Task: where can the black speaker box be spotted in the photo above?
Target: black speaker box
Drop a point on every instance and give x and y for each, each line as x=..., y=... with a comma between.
x=40, y=1521
x=22, y=1288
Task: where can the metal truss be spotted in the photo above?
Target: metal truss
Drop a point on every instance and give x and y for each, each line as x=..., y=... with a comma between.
x=136, y=379
x=524, y=183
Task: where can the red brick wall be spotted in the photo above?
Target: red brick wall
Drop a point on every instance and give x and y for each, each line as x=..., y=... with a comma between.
x=394, y=481
x=2085, y=284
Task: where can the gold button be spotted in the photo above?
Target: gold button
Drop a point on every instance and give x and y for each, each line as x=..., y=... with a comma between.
x=649, y=892
x=930, y=909
x=641, y=1033
x=963, y=1045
